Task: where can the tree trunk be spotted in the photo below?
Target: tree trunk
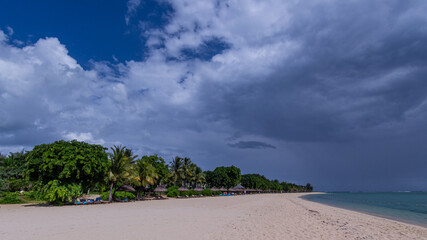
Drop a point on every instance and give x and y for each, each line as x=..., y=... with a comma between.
x=114, y=192
x=110, y=197
x=138, y=195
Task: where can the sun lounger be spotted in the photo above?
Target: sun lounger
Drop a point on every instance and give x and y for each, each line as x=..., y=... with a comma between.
x=81, y=201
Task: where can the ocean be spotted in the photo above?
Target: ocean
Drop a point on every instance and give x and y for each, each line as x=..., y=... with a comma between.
x=409, y=207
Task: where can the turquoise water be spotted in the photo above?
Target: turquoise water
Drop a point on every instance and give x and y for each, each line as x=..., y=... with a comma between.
x=410, y=207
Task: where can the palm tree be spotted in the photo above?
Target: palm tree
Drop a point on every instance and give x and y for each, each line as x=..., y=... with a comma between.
x=145, y=175
x=120, y=167
x=187, y=167
x=129, y=154
x=198, y=176
x=176, y=170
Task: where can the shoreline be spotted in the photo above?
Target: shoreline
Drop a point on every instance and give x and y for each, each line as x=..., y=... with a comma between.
x=367, y=212
x=263, y=216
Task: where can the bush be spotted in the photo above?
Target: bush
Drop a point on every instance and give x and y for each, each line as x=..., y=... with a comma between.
x=118, y=195
x=216, y=193
x=15, y=185
x=56, y=193
x=173, y=191
x=189, y=193
x=105, y=196
x=206, y=192
x=33, y=195
x=11, y=198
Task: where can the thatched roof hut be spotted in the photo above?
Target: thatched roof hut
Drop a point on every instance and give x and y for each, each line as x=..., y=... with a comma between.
x=182, y=189
x=126, y=188
x=239, y=188
x=215, y=189
x=198, y=189
x=222, y=189
x=160, y=189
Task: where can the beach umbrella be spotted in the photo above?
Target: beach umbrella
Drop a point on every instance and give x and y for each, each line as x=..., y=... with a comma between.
x=198, y=189
x=239, y=188
x=230, y=190
x=160, y=189
x=182, y=189
x=126, y=188
x=215, y=189
x=222, y=189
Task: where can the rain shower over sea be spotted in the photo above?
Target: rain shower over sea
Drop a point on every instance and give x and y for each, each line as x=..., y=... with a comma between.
x=409, y=207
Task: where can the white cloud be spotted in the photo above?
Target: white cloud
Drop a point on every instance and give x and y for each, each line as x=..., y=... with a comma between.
x=132, y=5
x=295, y=71
x=85, y=137
x=9, y=31
x=3, y=36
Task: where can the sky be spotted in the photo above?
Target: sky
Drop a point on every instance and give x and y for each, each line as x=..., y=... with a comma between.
x=329, y=92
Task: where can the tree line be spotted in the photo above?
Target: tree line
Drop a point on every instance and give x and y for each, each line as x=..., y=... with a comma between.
x=65, y=170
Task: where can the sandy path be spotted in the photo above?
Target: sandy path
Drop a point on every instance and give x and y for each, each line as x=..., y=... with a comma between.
x=269, y=216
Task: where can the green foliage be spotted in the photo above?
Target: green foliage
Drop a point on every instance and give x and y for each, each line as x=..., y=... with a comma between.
x=160, y=166
x=144, y=175
x=285, y=186
x=120, y=169
x=68, y=162
x=184, y=172
x=177, y=174
x=14, y=185
x=257, y=181
x=12, y=169
x=207, y=192
x=57, y=193
x=189, y=193
x=62, y=171
x=254, y=181
x=275, y=185
x=119, y=195
x=11, y=198
x=33, y=196
x=223, y=177
x=173, y=191
x=291, y=187
x=197, y=175
x=13, y=166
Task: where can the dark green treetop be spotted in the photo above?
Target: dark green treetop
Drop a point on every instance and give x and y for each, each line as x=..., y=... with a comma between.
x=68, y=162
x=223, y=177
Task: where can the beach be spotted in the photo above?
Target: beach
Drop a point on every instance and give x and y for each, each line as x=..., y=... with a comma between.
x=263, y=216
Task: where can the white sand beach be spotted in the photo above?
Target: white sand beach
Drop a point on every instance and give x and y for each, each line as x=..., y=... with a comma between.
x=266, y=216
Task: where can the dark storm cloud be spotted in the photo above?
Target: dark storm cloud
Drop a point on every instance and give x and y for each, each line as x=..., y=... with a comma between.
x=360, y=66
x=352, y=96
x=251, y=145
